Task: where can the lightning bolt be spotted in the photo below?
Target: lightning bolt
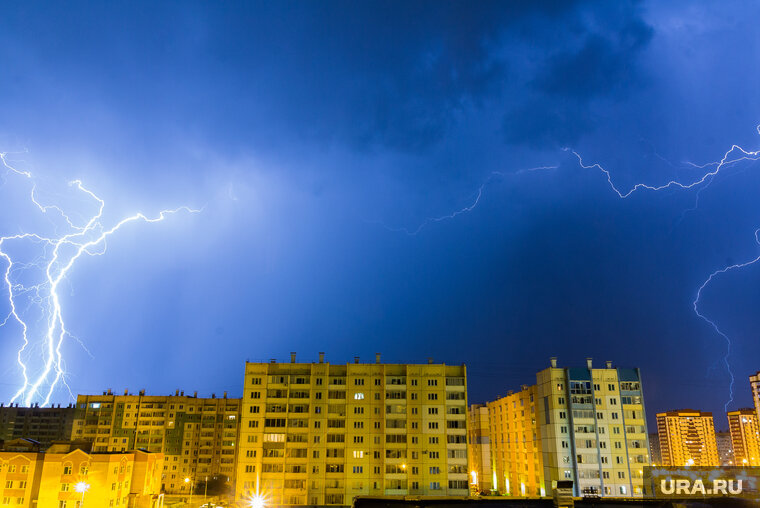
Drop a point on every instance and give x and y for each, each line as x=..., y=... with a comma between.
x=473, y=204
x=734, y=155
x=59, y=254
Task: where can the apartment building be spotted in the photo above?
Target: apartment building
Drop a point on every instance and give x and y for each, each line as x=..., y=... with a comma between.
x=321, y=434
x=586, y=425
x=42, y=424
x=725, y=448
x=198, y=436
x=754, y=384
x=745, y=436
x=20, y=473
x=479, y=448
x=687, y=438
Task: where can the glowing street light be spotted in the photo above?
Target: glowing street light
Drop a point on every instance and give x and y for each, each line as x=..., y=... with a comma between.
x=188, y=480
x=82, y=487
x=257, y=501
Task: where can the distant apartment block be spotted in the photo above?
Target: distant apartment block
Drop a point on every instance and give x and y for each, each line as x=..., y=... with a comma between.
x=687, y=438
x=479, y=446
x=42, y=424
x=654, y=449
x=586, y=425
x=320, y=434
x=745, y=436
x=197, y=436
x=725, y=448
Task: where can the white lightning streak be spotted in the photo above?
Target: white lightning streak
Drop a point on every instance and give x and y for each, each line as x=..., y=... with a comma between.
x=734, y=155
x=89, y=239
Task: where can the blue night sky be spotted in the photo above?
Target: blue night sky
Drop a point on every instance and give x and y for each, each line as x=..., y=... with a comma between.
x=317, y=135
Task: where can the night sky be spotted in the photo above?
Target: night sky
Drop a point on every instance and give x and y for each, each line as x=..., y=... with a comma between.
x=332, y=144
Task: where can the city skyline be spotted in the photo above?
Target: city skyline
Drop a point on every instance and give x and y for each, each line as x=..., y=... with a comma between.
x=484, y=186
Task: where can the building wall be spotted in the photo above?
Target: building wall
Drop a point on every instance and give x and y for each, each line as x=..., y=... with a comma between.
x=316, y=433
x=517, y=461
x=43, y=424
x=687, y=437
x=594, y=429
x=725, y=448
x=128, y=480
x=479, y=447
x=745, y=436
x=754, y=383
x=196, y=435
x=19, y=478
x=654, y=449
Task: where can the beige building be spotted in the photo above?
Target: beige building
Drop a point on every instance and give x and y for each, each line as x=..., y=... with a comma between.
x=196, y=435
x=479, y=448
x=317, y=433
x=687, y=438
x=745, y=436
x=586, y=425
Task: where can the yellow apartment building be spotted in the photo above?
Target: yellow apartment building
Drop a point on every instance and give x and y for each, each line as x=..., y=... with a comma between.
x=73, y=478
x=198, y=436
x=517, y=466
x=745, y=436
x=586, y=425
x=320, y=434
x=687, y=438
x=20, y=473
x=479, y=447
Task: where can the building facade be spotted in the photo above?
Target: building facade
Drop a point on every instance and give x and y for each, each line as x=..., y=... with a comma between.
x=479, y=449
x=754, y=383
x=43, y=424
x=71, y=475
x=517, y=461
x=320, y=434
x=654, y=449
x=198, y=436
x=745, y=436
x=20, y=473
x=586, y=425
x=725, y=448
x=687, y=438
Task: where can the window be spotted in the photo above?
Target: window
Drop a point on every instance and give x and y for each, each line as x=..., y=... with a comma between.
x=357, y=469
x=358, y=395
x=435, y=470
x=435, y=485
x=66, y=469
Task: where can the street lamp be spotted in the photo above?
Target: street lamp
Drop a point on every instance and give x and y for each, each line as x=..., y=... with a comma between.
x=257, y=501
x=188, y=480
x=82, y=487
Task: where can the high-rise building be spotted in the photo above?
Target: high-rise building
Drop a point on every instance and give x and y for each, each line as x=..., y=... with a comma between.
x=654, y=449
x=745, y=436
x=754, y=383
x=197, y=436
x=725, y=448
x=517, y=461
x=42, y=424
x=479, y=447
x=687, y=438
x=586, y=425
x=316, y=433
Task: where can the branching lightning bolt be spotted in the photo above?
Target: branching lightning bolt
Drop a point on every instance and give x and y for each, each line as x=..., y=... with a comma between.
x=60, y=253
x=734, y=155
x=475, y=202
